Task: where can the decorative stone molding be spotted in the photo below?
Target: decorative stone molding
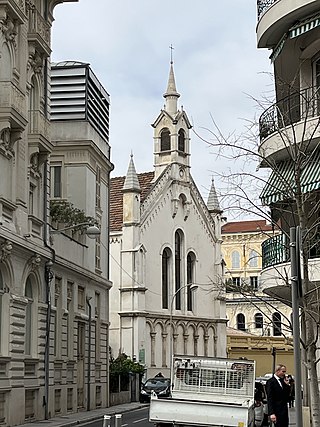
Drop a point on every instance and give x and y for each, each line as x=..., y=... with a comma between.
x=174, y=207
x=30, y=5
x=9, y=29
x=6, y=250
x=35, y=262
x=34, y=166
x=8, y=138
x=35, y=61
x=186, y=208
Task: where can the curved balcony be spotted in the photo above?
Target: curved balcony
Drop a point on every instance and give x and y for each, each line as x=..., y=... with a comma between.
x=263, y=6
x=300, y=108
x=275, y=17
x=276, y=250
x=276, y=266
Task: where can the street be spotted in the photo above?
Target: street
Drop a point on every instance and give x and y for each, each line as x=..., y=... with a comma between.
x=135, y=418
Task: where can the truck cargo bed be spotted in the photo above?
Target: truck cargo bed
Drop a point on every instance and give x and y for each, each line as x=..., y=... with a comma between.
x=194, y=412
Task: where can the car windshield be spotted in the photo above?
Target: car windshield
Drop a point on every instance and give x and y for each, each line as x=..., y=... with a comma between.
x=157, y=382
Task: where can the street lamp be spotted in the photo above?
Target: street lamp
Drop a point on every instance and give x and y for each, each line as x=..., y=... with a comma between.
x=192, y=288
x=91, y=231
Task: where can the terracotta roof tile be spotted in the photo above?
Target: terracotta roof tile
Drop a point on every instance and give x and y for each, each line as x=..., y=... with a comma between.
x=116, y=199
x=246, y=226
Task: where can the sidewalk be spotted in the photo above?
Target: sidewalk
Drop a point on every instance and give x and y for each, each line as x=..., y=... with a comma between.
x=85, y=416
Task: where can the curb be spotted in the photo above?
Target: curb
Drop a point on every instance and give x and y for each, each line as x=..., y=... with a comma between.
x=85, y=418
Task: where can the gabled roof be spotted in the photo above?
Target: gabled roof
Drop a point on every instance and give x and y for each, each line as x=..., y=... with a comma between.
x=174, y=119
x=116, y=197
x=246, y=226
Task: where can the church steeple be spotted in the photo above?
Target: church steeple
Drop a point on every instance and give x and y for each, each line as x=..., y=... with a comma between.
x=171, y=134
x=171, y=95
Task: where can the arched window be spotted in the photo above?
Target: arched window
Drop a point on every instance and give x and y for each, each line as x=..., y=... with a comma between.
x=253, y=258
x=166, y=255
x=177, y=260
x=191, y=259
x=165, y=140
x=258, y=320
x=181, y=140
x=241, y=322
x=276, y=320
x=28, y=319
x=235, y=259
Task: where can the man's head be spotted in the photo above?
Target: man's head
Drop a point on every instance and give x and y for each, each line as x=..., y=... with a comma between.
x=280, y=371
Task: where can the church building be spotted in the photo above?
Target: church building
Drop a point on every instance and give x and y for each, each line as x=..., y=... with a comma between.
x=165, y=253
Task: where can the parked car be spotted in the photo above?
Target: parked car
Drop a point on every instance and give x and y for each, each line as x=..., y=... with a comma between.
x=264, y=378
x=160, y=385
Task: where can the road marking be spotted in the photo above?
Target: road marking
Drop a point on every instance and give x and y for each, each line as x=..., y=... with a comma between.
x=124, y=425
x=139, y=421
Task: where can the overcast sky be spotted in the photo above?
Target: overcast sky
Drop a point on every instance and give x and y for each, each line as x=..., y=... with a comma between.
x=216, y=63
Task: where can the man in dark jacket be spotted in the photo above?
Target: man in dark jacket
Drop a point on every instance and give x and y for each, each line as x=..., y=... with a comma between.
x=278, y=391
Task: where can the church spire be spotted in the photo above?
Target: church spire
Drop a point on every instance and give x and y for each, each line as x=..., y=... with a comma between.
x=131, y=182
x=213, y=202
x=171, y=95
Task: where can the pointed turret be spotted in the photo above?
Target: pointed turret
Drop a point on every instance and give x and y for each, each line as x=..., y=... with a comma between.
x=213, y=202
x=171, y=96
x=131, y=182
x=131, y=196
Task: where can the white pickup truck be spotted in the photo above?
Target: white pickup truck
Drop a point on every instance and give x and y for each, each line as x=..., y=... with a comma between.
x=207, y=392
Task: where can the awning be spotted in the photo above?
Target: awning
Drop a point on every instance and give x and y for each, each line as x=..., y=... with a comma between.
x=281, y=185
x=304, y=26
x=277, y=50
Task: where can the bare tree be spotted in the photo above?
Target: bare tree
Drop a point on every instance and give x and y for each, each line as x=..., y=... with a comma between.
x=287, y=145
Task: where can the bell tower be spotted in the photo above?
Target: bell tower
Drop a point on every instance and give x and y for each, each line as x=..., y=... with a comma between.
x=171, y=134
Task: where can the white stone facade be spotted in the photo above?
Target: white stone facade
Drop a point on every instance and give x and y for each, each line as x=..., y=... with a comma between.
x=46, y=285
x=165, y=247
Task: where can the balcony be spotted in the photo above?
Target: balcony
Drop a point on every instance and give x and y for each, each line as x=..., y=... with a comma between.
x=12, y=105
x=276, y=17
x=39, y=31
x=263, y=5
x=15, y=8
x=39, y=128
x=276, y=250
x=300, y=108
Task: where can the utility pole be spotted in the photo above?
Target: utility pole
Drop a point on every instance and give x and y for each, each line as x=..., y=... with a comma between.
x=295, y=295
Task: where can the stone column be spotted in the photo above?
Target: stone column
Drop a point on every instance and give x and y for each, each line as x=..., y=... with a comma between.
x=164, y=350
x=206, y=339
x=195, y=343
x=185, y=343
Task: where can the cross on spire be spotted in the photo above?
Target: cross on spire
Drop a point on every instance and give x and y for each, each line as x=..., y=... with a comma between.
x=171, y=53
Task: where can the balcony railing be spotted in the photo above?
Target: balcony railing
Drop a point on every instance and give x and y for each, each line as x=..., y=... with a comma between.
x=276, y=250
x=264, y=5
x=298, y=106
x=38, y=124
x=39, y=30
